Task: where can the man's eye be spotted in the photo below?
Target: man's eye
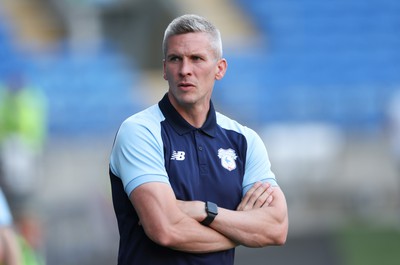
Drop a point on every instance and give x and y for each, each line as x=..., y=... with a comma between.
x=174, y=59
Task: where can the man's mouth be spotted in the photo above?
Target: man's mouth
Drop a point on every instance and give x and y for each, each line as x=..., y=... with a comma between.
x=185, y=85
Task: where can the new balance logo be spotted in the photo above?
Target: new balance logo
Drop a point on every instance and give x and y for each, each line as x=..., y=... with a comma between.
x=178, y=155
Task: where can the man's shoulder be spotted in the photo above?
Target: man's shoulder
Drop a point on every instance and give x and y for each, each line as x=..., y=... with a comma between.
x=143, y=122
x=148, y=116
x=228, y=123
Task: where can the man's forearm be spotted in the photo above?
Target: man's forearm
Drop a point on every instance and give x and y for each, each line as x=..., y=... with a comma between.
x=200, y=239
x=256, y=227
x=253, y=228
x=165, y=223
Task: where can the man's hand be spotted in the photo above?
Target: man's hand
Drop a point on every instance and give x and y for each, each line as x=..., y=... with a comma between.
x=256, y=197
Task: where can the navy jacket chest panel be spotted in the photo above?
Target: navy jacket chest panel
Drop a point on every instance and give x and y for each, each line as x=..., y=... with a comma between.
x=195, y=171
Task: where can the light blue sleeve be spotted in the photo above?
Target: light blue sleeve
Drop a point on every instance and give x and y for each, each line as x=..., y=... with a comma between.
x=5, y=214
x=258, y=166
x=137, y=156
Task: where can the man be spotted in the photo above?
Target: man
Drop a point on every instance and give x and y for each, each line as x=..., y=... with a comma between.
x=188, y=183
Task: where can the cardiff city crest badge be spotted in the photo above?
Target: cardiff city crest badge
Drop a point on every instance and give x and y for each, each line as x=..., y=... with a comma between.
x=228, y=157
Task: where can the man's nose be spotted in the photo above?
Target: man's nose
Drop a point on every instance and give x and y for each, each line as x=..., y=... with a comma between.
x=186, y=67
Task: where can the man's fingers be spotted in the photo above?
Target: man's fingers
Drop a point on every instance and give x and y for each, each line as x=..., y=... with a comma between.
x=256, y=197
x=248, y=195
x=264, y=198
x=259, y=197
x=269, y=200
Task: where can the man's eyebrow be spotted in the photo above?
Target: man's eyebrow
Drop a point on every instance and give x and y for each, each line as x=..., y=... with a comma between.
x=199, y=54
x=173, y=55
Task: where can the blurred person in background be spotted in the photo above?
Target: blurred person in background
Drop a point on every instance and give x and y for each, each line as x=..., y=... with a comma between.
x=10, y=252
x=14, y=250
x=188, y=183
x=22, y=135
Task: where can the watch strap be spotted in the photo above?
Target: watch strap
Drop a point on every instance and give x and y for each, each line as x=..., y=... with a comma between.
x=212, y=211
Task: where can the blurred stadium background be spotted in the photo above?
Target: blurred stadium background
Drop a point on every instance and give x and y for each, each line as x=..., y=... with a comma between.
x=318, y=79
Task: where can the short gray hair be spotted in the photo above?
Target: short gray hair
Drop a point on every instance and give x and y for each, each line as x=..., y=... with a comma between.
x=192, y=24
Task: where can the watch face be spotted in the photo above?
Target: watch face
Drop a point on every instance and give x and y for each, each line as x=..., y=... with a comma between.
x=212, y=208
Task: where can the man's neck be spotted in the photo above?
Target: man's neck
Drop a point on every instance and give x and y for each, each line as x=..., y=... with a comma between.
x=194, y=116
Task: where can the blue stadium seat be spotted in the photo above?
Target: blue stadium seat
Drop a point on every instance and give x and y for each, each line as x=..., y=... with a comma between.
x=325, y=60
x=87, y=94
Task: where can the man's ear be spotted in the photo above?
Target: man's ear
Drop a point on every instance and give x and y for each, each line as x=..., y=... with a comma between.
x=222, y=66
x=164, y=69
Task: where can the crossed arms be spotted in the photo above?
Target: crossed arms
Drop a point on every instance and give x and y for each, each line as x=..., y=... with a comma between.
x=260, y=220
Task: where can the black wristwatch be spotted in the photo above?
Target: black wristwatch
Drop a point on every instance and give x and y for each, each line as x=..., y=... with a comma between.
x=212, y=211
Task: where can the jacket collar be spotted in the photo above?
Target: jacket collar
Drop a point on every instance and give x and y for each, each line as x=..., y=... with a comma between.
x=180, y=125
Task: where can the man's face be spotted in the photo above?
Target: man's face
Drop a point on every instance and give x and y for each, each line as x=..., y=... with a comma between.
x=191, y=68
